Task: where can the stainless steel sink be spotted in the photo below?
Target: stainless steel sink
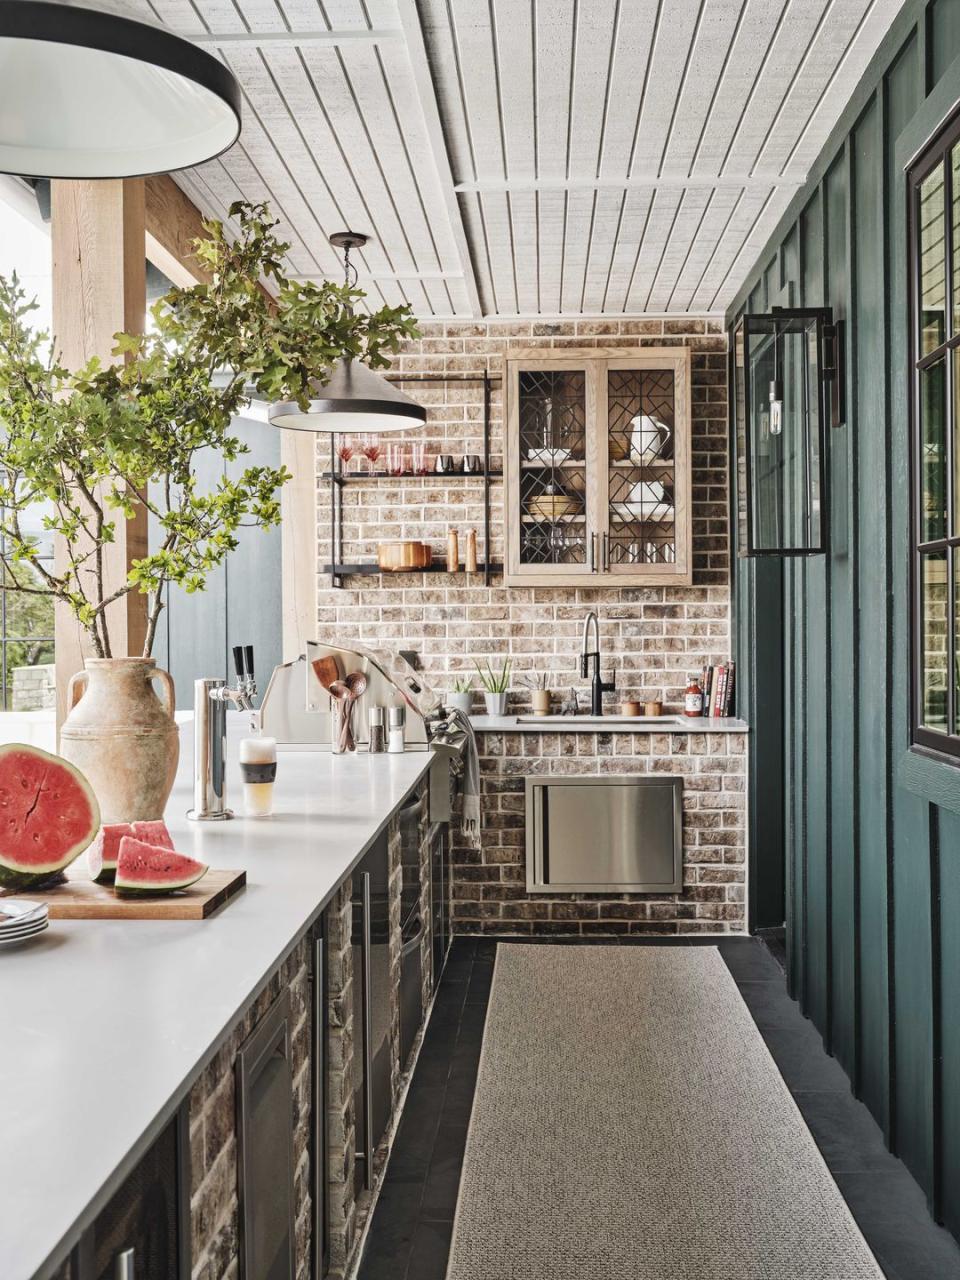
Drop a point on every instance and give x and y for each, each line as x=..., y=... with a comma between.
x=576, y=722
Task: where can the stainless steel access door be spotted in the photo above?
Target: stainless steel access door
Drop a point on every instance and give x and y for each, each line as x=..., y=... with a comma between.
x=605, y=834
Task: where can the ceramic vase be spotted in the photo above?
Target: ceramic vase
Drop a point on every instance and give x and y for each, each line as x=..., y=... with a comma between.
x=122, y=736
x=462, y=701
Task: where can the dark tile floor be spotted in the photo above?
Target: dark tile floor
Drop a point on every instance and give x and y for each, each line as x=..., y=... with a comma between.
x=413, y=1220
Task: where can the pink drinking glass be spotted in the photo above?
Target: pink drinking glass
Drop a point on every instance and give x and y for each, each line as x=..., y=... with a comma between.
x=396, y=459
x=419, y=455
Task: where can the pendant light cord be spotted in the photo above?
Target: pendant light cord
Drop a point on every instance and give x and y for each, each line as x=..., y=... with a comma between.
x=350, y=274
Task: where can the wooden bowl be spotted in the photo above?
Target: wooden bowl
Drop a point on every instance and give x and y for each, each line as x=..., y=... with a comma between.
x=404, y=557
x=551, y=506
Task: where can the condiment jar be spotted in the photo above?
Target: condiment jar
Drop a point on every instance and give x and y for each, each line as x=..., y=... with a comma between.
x=693, y=697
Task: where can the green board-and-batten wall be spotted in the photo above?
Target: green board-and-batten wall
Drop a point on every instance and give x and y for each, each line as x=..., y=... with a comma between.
x=871, y=833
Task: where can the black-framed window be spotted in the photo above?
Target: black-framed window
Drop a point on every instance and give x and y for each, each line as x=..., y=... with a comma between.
x=934, y=243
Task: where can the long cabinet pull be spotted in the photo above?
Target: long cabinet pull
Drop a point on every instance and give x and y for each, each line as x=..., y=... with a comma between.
x=367, y=1008
x=593, y=552
x=605, y=556
x=124, y=1265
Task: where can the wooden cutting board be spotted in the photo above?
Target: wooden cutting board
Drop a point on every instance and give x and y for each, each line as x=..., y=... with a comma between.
x=81, y=899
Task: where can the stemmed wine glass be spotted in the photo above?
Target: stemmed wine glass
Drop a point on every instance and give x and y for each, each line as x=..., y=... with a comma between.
x=344, y=452
x=371, y=449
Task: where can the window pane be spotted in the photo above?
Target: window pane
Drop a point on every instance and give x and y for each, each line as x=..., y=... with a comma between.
x=933, y=453
x=932, y=262
x=934, y=598
x=955, y=234
x=27, y=685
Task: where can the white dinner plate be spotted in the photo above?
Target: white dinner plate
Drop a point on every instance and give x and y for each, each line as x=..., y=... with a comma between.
x=20, y=935
x=15, y=911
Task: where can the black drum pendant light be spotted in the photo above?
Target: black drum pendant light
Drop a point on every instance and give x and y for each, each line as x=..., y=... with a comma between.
x=355, y=398
x=85, y=94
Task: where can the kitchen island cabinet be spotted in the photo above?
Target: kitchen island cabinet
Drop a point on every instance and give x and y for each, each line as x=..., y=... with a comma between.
x=111, y=1026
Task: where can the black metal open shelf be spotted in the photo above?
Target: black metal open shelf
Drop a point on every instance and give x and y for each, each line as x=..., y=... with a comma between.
x=351, y=477
x=366, y=568
x=337, y=480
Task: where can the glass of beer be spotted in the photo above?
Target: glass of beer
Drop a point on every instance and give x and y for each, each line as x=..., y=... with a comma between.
x=258, y=764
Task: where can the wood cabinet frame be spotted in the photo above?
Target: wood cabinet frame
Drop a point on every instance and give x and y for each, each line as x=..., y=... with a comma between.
x=596, y=362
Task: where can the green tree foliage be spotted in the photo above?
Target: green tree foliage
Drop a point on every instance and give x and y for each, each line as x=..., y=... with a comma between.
x=102, y=442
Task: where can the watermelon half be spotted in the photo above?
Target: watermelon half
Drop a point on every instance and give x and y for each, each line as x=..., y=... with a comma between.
x=150, y=869
x=48, y=815
x=102, y=854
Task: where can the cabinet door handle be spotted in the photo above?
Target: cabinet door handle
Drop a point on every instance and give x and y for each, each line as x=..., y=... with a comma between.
x=123, y=1265
x=605, y=558
x=593, y=552
x=366, y=1002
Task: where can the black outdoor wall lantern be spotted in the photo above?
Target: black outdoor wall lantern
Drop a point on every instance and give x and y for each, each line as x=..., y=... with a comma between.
x=787, y=383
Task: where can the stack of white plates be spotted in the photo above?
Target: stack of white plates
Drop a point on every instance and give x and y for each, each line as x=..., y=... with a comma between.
x=20, y=919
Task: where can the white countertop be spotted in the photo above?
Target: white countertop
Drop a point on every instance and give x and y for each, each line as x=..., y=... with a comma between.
x=105, y=1023
x=608, y=724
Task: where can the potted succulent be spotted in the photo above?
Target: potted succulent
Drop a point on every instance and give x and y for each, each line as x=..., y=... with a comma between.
x=540, y=695
x=104, y=444
x=495, y=686
x=461, y=698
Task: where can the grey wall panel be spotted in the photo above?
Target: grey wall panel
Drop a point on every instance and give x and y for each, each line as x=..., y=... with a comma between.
x=241, y=602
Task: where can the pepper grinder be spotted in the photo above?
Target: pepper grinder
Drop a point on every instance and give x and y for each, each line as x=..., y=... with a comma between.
x=377, y=732
x=397, y=717
x=453, y=552
x=470, y=555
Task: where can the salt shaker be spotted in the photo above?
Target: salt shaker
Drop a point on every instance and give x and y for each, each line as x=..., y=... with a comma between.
x=397, y=719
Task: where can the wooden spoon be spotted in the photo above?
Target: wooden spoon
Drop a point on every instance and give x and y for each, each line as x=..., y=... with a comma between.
x=327, y=670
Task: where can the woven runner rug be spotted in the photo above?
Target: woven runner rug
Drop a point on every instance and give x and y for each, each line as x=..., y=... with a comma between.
x=630, y=1124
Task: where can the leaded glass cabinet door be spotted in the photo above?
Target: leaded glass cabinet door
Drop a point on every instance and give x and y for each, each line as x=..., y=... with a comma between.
x=644, y=480
x=551, y=501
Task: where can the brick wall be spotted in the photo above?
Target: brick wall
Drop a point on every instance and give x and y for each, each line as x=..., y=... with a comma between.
x=214, y=1205
x=489, y=889
x=652, y=636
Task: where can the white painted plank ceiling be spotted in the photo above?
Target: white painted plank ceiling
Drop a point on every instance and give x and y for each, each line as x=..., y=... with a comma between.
x=529, y=157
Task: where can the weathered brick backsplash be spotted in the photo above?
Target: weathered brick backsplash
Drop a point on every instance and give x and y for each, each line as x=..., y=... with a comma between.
x=489, y=889
x=214, y=1203
x=652, y=637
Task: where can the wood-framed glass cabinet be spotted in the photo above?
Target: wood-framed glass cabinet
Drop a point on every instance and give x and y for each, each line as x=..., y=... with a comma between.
x=597, y=467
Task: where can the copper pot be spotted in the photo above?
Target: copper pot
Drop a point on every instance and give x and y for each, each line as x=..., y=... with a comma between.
x=404, y=557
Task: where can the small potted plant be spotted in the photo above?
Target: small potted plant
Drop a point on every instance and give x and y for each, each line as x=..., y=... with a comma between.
x=461, y=699
x=495, y=685
x=540, y=695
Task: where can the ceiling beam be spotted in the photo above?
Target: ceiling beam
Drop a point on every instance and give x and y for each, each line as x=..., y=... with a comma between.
x=716, y=182
x=173, y=222
x=427, y=96
x=260, y=39
x=374, y=276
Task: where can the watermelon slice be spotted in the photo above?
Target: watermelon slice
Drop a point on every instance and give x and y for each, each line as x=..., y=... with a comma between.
x=48, y=816
x=148, y=869
x=154, y=833
x=102, y=854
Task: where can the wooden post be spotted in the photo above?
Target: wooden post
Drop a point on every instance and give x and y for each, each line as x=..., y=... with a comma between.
x=99, y=288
